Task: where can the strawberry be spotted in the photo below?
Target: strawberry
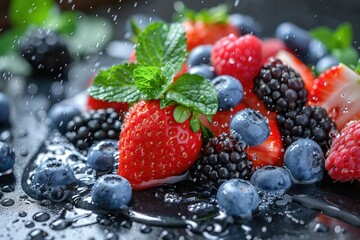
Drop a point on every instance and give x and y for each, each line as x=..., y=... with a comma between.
x=296, y=64
x=271, y=47
x=207, y=26
x=269, y=152
x=153, y=145
x=338, y=91
x=161, y=135
x=238, y=57
x=343, y=162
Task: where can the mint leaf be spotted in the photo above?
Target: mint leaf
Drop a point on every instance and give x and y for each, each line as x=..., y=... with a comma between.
x=181, y=113
x=343, y=35
x=206, y=133
x=324, y=35
x=160, y=43
x=194, y=92
x=9, y=39
x=149, y=81
x=116, y=85
x=195, y=123
x=348, y=56
x=64, y=22
x=27, y=12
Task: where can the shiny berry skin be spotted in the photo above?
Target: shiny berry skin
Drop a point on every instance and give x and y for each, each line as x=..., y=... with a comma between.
x=111, y=192
x=294, y=37
x=229, y=90
x=251, y=125
x=60, y=114
x=316, y=51
x=343, y=162
x=5, y=109
x=7, y=158
x=199, y=55
x=245, y=24
x=154, y=146
x=305, y=160
x=240, y=58
x=101, y=156
x=238, y=198
x=205, y=71
x=271, y=179
x=53, y=180
x=325, y=63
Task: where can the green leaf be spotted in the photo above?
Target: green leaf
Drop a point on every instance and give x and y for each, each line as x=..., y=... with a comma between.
x=14, y=63
x=27, y=12
x=348, y=56
x=207, y=134
x=324, y=35
x=165, y=102
x=149, y=81
x=63, y=23
x=194, y=92
x=116, y=85
x=181, y=113
x=209, y=118
x=343, y=35
x=8, y=40
x=195, y=123
x=161, y=43
x=91, y=35
x=134, y=27
x=214, y=15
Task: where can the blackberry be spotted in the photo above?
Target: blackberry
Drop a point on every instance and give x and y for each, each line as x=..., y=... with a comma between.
x=223, y=158
x=280, y=87
x=45, y=51
x=307, y=122
x=89, y=127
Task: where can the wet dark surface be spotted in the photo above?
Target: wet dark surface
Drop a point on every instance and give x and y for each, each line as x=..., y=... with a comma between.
x=323, y=211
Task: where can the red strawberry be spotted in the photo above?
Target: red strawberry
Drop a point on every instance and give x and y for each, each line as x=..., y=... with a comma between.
x=271, y=47
x=338, y=91
x=269, y=152
x=343, y=162
x=201, y=33
x=95, y=104
x=296, y=64
x=238, y=57
x=252, y=101
x=154, y=146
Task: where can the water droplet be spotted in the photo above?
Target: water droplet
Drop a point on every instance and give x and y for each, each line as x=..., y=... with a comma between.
x=22, y=214
x=29, y=224
x=7, y=188
x=37, y=234
x=321, y=228
x=41, y=216
x=145, y=229
x=231, y=61
x=7, y=202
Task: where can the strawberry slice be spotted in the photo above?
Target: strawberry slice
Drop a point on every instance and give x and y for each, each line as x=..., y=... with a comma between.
x=338, y=91
x=296, y=64
x=270, y=47
x=269, y=152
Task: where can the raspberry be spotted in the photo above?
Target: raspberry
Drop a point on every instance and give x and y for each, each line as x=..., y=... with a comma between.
x=280, y=87
x=238, y=57
x=343, y=162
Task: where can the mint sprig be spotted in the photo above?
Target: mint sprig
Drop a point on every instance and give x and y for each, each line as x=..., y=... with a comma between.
x=160, y=54
x=338, y=42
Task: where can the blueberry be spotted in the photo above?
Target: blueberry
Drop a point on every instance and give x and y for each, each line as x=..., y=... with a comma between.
x=60, y=115
x=199, y=55
x=325, y=63
x=316, y=50
x=5, y=109
x=271, y=179
x=101, y=156
x=245, y=24
x=251, y=125
x=53, y=179
x=294, y=37
x=205, y=71
x=7, y=158
x=238, y=198
x=304, y=159
x=229, y=90
x=111, y=192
